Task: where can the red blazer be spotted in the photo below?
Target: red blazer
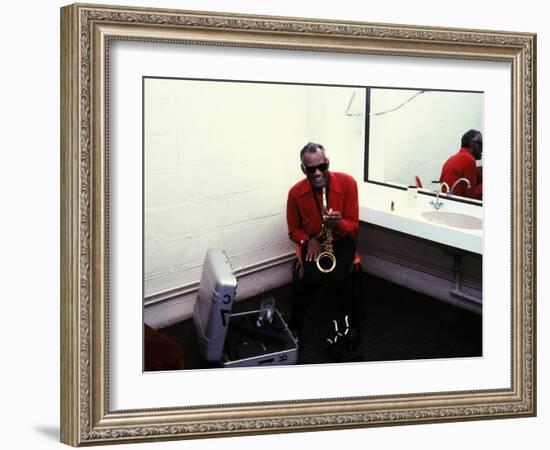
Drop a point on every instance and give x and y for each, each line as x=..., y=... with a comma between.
x=302, y=213
x=462, y=164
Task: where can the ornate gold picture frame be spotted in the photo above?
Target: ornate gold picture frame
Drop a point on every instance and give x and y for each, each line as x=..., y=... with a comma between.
x=87, y=31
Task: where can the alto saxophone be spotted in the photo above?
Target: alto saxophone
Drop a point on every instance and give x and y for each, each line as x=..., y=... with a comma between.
x=326, y=261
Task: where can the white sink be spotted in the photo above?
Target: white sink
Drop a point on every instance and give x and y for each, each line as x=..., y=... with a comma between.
x=454, y=220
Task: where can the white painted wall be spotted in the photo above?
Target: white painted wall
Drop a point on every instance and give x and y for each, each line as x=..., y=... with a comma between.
x=417, y=138
x=219, y=158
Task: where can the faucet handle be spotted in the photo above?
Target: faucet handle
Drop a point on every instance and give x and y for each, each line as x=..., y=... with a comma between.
x=436, y=185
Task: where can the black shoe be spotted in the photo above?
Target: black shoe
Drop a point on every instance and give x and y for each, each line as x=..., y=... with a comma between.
x=353, y=339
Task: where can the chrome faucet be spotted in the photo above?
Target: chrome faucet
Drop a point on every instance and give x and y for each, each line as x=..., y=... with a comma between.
x=437, y=204
x=457, y=182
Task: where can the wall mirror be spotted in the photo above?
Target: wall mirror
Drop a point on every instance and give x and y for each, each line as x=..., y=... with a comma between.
x=412, y=132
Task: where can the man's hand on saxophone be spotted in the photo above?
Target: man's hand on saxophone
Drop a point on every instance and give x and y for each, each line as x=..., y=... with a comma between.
x=332, y=218
x=313, y=249
x=314, y=246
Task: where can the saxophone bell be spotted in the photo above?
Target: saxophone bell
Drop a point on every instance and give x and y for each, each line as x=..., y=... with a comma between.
x=326, y=262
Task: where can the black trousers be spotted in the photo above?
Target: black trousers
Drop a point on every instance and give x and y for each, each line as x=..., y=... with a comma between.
x=313, y=279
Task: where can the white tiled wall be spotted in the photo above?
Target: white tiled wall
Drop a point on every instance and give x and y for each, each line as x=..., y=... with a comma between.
x=219, y=160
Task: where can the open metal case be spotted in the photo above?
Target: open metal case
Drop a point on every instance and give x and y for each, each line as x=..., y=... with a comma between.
x=235, y=340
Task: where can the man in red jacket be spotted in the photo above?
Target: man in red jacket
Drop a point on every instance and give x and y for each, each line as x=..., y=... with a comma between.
x=305, y=217
x=463, y=165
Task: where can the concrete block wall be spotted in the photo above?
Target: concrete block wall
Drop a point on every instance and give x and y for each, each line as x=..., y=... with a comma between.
x=219, y=158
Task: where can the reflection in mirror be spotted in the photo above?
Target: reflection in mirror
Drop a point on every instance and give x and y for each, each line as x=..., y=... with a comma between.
x=412, y=133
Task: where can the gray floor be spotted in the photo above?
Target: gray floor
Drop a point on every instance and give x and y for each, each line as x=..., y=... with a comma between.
x=397, y=324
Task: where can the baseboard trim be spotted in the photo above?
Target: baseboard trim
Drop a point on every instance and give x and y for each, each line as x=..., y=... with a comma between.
x=169, y=307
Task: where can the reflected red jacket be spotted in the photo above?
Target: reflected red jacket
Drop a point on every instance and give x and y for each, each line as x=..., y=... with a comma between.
x=303, y=212
x=462, y=164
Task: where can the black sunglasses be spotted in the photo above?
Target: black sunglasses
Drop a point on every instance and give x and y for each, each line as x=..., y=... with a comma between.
x=311, y=169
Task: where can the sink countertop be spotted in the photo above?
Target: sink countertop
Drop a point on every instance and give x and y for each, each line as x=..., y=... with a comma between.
x=409, y=220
